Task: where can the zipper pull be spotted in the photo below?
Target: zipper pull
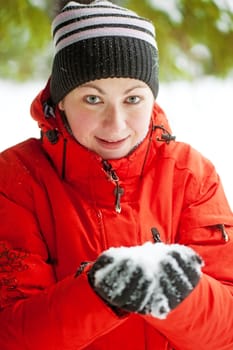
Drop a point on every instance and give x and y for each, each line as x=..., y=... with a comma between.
x=155, y=235
x=119, y=191
x=223, y=232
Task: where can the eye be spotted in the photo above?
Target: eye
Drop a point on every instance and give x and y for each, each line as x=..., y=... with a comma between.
x=133, y=100
x=93, y=99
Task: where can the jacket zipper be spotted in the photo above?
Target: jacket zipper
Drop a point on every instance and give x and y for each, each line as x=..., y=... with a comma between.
x=118, y=191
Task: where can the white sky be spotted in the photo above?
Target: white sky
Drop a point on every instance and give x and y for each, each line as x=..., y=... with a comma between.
x=200, y=113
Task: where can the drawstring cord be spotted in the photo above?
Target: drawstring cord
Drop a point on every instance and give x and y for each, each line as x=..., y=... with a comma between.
x=147, y=152
x=166, y=136
x=63, y=167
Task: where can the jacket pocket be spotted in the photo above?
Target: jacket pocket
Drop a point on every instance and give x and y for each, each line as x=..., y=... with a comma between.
x=208, y=235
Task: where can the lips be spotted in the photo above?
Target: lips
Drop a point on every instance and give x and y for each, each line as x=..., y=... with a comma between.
x=111, y=143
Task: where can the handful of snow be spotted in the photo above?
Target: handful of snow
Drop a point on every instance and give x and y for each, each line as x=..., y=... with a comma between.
x=147, y=279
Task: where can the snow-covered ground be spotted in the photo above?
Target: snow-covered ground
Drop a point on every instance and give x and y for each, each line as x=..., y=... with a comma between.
x=200, y=113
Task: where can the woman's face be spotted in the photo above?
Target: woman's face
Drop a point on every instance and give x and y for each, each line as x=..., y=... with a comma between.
x=109, y=116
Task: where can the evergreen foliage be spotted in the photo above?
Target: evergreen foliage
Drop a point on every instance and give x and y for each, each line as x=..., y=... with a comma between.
x=194, y=39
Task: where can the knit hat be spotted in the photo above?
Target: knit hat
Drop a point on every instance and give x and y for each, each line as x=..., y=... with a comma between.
x=101, y=40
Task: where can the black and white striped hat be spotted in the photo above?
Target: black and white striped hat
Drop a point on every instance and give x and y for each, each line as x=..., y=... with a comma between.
x=101, y=40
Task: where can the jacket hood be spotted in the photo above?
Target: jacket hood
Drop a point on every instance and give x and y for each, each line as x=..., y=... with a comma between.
x=62, y=146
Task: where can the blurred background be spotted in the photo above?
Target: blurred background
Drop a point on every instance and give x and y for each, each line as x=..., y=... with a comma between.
x=195, y=40
x=195, y=37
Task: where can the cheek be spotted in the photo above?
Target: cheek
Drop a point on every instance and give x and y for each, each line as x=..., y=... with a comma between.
x=140, y=124
x=82, y=126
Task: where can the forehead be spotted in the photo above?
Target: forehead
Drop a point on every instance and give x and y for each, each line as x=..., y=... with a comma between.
x=109, y=84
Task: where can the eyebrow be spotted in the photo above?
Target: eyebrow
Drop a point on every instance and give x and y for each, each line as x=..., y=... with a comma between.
x=93, y=86
x=135, y=87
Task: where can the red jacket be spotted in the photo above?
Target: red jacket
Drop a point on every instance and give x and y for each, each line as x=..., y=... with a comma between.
x=57, y=210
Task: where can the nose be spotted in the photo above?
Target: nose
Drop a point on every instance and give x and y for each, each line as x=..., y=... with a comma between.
x=115, y=118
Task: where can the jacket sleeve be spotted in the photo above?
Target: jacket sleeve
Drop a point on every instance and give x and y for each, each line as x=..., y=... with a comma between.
x=204, y=320
x=36, y=312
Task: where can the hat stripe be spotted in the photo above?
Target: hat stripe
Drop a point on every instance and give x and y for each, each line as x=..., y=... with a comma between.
x=76, y=18
x=73, y=5
x=79, y=12
x=99, y=23
x=102, y=18
x=102, y=31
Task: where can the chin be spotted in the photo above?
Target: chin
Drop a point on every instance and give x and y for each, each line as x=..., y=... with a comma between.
x=113, y=155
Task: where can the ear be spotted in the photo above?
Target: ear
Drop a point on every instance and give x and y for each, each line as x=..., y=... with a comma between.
x=61, y=105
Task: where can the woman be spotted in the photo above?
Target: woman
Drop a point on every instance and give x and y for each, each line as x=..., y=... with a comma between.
x=113, y=235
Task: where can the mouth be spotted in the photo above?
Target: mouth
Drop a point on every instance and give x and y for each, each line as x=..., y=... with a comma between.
x=111, y=144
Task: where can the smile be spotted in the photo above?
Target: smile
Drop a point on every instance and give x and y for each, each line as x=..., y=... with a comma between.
x=111, y=143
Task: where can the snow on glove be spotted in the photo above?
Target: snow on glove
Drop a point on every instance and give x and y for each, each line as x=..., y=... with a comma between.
x=147, y=279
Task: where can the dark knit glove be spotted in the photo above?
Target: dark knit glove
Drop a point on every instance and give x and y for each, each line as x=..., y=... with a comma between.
x=148, y=279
